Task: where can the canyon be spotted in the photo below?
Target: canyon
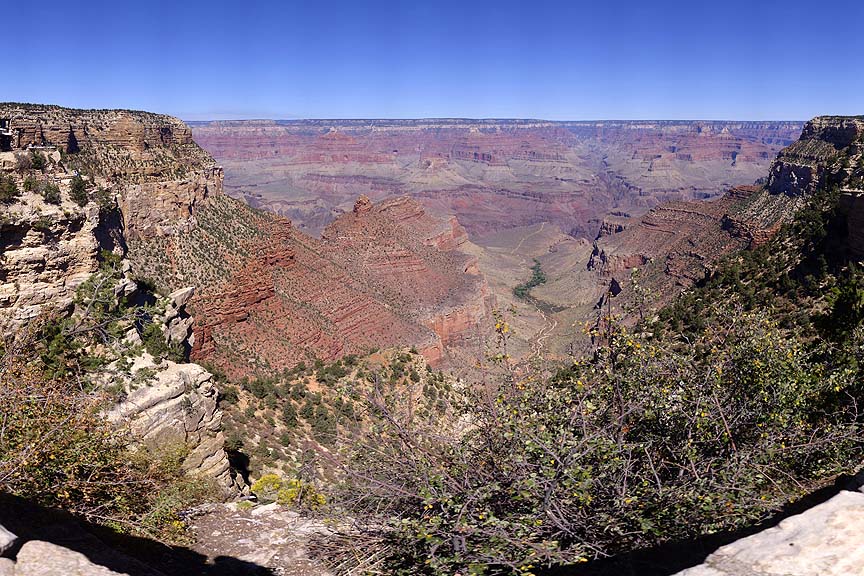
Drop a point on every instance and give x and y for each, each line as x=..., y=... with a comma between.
x=249, y=292
x=490, y=174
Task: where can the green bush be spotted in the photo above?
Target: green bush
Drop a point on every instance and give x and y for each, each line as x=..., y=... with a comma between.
x=644, y=443
x=154, y=341
x=51, y=194
x=78, y=191
x=9, y=192
x=37, y=161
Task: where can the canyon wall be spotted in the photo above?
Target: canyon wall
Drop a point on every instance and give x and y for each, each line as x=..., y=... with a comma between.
x=491, y=174
x=143, y=177
x=677, y=244
x=269, y=296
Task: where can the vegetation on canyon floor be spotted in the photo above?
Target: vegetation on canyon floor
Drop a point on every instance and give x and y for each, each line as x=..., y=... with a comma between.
x=538, y=277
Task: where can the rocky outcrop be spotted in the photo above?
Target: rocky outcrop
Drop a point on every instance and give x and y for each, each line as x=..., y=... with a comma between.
x=811, y=162
x=46, y=252
x=37, y=558
x=161, y=177
x=823, y=541
x=176, y=408
x=145, y=164
x=167, y=207
x=7, y=540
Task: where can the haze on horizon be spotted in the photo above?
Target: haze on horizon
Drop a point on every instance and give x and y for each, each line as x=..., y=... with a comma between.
x=548, y=59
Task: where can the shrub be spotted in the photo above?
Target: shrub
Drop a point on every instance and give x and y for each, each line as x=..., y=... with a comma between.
x=267, y=487
x=37, y=161
x=154, y=341
x=51, y=194
x=58, y=450
x=646, y=442
x=78, y=191
x=9, y=192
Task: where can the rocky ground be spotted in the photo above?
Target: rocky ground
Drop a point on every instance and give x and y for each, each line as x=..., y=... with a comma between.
x=269, y=536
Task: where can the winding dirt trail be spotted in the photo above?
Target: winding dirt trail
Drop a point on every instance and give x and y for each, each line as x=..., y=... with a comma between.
x=526, y=236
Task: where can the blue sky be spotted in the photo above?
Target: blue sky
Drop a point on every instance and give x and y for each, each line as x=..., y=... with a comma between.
x=627, y=59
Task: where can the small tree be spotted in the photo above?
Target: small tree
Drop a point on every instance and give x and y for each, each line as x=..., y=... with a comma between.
x=78, y=191
x=9, y=192
x=37, y=161
x=51, y=194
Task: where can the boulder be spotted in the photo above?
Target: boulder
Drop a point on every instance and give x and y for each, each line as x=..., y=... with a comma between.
x=178, y=406
x=823, y=541
x=37, y=558
x=180, y=298
x=7, y=540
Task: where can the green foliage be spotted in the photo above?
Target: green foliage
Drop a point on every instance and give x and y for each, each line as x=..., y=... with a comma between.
x=9, y=192
x=38, y=161
x=289, y=415
x=538, y=277
x=645, y=442
x=293, y=492
x=233, y=441
x=154, y=341
x=267, y=488
x=846, y=302
x=78, y=191
x=228, y=393
x=58, y=450
x=51, y=194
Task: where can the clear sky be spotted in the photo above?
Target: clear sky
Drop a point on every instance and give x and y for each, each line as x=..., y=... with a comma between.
x=606, y=59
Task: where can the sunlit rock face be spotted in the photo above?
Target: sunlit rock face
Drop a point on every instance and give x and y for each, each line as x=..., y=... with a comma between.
x=491, y=174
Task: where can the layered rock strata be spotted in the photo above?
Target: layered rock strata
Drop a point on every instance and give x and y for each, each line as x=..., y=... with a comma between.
x=269, y=296
x=147, y=166
x=676, y=244
x=176, y=408
x=491, y=174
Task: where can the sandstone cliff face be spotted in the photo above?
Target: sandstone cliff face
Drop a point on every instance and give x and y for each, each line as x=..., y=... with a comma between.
x=46, y=251
x=148, y=164
x=160, y=175
x=177, y=407
x=158, y=179
x=811, y=161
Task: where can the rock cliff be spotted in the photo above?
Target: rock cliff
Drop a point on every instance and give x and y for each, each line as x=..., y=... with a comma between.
x=138, y=175
x=145, y=177
x=677, y=243
x=491, y=174
x=269, y=296
x=813, y=160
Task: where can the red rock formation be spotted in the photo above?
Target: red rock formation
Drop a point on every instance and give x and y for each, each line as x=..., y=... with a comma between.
x=490, y=174
x=382, y=276
x=677, y=243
